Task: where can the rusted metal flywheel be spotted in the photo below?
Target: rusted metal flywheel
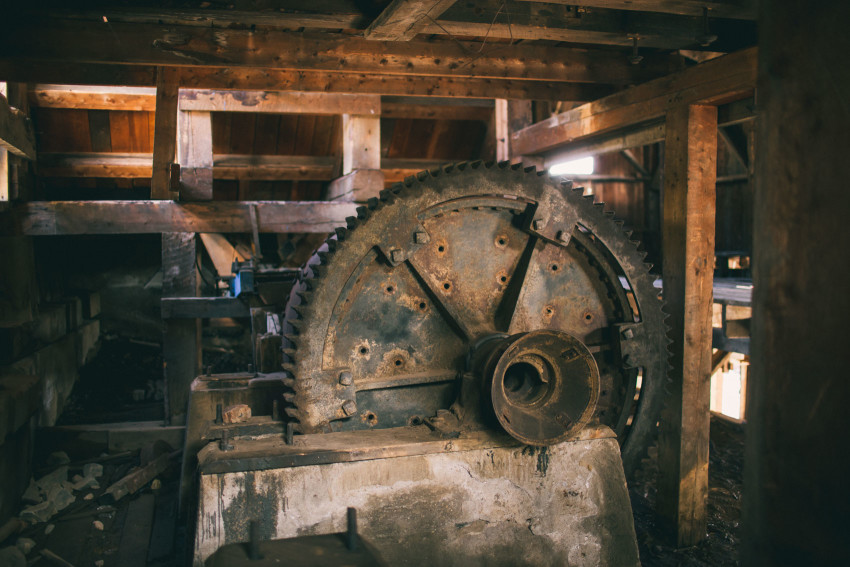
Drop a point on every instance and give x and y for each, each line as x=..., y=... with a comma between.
x=487, y=271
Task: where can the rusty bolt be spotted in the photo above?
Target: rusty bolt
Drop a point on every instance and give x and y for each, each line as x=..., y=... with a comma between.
x=349, y=407
x=538, y=224
x=628, y=334
x=564, y=236
x=397, y=255
x=420, y=237
x=345, y=378
x=224, y=444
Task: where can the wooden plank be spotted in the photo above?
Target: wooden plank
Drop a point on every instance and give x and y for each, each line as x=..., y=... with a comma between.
x=99, y=164
x=142, y=44
x=688, y=234
x=165, y=134
x=195, y=155
x=271, y=168
x=221, y=252
x=181, y=343
x=289, y=14
x=717, y=8
x=32, y=71
x=359, y=186
x=510, y=116
x=361, y=143
x=720, y=80
x=203, y=307
x=563, y=23
x=16, y=132
x=403, y=19
x=48, y=218
x=279, y=102
x=435, y=112
x=93, y=97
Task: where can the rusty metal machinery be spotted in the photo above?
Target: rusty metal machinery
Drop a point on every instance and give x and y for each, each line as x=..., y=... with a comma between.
x=476, y=296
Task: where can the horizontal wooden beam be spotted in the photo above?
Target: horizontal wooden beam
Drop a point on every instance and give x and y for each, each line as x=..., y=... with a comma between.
x=53, y=218
x=204, y=100
x=225, y=166
x=29, y=71
x=649, y=133
x=567, y=23
x=70, y=42
x=16, y=131
x=740, y=9
x=727, y=78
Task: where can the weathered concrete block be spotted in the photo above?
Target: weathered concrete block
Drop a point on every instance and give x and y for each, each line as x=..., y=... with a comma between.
x=565, y=505
x=91, y=304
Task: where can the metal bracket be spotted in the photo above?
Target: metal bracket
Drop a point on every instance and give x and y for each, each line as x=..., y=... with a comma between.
x=629, y=341
x=402, y=241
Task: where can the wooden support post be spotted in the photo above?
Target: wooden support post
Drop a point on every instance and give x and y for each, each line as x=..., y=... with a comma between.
x=165, y=133
x=195, y=155
x=688, y=249
x=511, y=116
x=362, y=177
x=796, y=494
x=181, y=347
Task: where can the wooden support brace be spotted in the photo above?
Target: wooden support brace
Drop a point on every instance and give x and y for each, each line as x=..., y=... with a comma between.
x=165, y=133
x=195, y=155
x=16, y=131
x=510, y=116
x=361, y=160
x=181, y=347
x=688, y=237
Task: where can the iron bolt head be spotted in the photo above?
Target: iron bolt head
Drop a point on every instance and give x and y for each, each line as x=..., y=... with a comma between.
x=563, y=236
x=349, y=407
x=538, y=224
x=345, y=378
x=421, y=237
x=397, y=255
x=628, y=334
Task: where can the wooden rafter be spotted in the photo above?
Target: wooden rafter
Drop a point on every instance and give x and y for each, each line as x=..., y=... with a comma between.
x=744, y=10
x=403, y=19
x=27, y=71
x=53, y=218
x=141, y=44
x=225, y=166
x=723, y=79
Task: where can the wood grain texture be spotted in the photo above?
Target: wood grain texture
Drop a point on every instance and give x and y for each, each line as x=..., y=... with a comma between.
x=16, y=131
x=195, y=155
x=165, y=134
x=403, y=19
x=50, y=218
x=688, y=236
x=67, y=42
x=720, y=80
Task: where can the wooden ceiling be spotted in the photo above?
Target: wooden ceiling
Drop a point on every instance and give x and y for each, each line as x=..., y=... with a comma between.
x=551, y=50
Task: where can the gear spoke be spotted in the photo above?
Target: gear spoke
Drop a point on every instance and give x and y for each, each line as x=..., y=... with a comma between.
x=443, y=307
x=507, y=308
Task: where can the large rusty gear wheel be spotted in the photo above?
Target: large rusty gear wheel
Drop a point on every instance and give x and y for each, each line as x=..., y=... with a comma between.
x=385, y=314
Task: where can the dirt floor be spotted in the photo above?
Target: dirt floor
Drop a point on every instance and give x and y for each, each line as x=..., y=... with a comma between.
x=725, y=478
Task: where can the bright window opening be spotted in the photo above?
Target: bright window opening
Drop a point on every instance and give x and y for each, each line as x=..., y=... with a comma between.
x=728, y=386
x=581, y=166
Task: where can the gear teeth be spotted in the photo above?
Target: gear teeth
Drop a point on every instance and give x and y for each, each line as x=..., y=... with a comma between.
x=530, y=169
x=341, y=232
x=351, y=222
x=289, y=396
x=516, y=166
x=504, y=164
x=293, y=413
x=609, y=214
x=288, y=366
x=372, y=203
x=362, y=213
x=619, y=223
x=289, y=382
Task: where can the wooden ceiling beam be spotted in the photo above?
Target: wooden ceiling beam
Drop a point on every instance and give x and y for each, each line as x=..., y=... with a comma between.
x=735, y=9
x=536, y=21
x=28, y=71
x=225, y=166
x=68, y=42
x=727, y=78
x=53, y=218
x=403, y=19
x=204, y=100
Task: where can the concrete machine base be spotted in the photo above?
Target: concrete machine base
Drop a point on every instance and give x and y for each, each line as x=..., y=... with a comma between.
x=479, y=499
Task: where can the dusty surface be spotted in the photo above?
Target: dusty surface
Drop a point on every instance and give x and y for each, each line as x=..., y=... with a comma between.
x=725, y=477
